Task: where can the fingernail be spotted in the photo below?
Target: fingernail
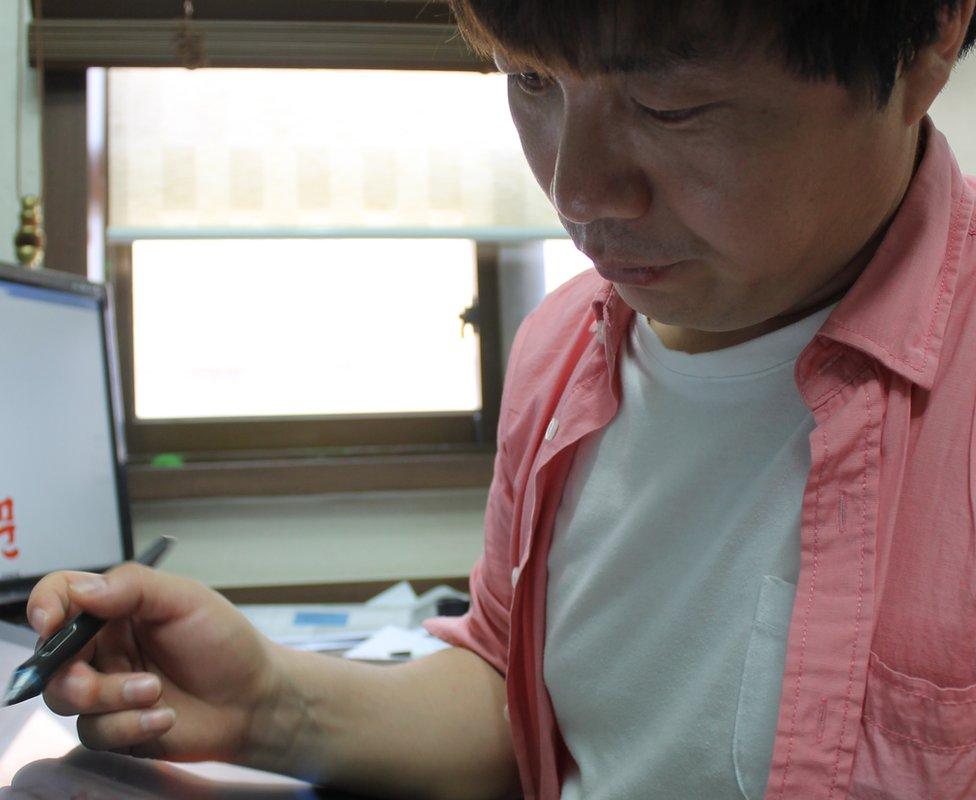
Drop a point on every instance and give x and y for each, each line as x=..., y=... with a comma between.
x=89, y=585
x=38, y=619
x=139, y=690
x=158, y=719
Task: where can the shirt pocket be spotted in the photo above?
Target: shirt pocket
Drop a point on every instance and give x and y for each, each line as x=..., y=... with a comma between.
x=759, y=691
x=917, y=739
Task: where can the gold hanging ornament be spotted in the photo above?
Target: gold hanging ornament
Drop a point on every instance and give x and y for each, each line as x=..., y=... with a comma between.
x=29, y=239
x=190, y=43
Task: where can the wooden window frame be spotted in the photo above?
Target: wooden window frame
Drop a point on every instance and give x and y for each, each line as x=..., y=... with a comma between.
x=268, y=438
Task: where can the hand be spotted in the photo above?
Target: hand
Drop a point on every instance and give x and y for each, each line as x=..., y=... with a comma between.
x=59, y=779
x=176, y=673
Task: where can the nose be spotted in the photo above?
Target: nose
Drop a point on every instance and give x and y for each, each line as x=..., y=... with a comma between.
x=595, y=175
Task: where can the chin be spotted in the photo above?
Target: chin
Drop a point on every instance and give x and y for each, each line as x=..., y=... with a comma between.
x=657, y=306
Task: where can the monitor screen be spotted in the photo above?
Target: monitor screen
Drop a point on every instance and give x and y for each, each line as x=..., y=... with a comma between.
x=60, y=493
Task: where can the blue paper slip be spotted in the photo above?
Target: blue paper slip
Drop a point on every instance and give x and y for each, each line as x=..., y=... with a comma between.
x=321, y=619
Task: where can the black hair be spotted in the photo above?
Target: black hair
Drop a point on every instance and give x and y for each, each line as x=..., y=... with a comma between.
x=860, y=44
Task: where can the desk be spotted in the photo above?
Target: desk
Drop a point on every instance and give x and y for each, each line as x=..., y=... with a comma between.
x=84, y=774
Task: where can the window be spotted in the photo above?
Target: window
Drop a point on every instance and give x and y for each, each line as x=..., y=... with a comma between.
x=272, y=328
x=294, y=250
x=562, y=261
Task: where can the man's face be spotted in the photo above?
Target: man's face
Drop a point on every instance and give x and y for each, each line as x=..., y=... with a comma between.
x=759, y=188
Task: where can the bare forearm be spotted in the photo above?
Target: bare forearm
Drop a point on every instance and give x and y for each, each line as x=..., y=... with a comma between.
x=428, y=729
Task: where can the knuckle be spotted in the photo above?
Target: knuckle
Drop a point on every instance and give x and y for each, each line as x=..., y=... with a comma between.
x=83, y=692
x=128, y=577
x=129, y=571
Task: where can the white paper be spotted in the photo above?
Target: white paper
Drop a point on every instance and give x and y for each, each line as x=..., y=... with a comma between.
x=389, y=643
x=400, y=595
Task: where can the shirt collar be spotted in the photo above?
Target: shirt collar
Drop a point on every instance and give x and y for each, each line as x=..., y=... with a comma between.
x=898, y=308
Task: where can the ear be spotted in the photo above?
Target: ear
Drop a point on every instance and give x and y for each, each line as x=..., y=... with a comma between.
x=929, y=71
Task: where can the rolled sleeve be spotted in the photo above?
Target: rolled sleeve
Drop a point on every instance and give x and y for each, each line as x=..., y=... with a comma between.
x=485, y=628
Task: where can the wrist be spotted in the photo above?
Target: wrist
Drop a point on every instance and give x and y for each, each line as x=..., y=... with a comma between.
x=278, y=716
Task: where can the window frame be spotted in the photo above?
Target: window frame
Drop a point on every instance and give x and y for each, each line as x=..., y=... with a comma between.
x=269, y=437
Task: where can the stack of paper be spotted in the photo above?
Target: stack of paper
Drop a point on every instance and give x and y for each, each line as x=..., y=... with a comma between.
x=396, y=612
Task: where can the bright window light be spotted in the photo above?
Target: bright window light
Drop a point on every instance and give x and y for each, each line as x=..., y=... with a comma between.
x=562, y=261
x=241, y=328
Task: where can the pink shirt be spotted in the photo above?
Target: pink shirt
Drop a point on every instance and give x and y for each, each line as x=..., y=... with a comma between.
x=879, y=689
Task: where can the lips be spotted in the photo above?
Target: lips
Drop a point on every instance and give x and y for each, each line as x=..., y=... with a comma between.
x=633, y=273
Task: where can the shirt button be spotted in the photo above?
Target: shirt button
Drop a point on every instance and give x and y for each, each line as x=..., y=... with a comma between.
x=505, y=713
x=515, y=574
x=551, y=430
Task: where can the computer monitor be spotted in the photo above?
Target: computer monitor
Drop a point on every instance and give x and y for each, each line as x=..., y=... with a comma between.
x=62, y=495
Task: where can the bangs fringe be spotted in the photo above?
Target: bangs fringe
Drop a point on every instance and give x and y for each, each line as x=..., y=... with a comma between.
x=860, y=44
x=586, y=36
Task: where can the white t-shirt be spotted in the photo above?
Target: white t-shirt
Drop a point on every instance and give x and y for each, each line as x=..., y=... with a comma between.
x=673, y=569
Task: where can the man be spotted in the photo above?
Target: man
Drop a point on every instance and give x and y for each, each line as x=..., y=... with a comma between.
x=729, y=538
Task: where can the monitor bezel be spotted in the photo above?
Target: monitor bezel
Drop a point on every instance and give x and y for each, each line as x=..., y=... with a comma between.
x=14, y=592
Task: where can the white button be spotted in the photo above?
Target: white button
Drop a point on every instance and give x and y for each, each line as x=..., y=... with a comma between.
x=515, y=574
x=551, y=430
x=505, y=713
x=593, y=327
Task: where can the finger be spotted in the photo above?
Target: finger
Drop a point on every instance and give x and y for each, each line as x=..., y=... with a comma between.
x=82, y=690
x=116, y=649
x=133, y=590
x=49, y=604
x=124, y=728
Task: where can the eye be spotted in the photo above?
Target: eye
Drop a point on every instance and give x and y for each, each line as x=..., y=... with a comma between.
x=531, y=82
x=671, y=116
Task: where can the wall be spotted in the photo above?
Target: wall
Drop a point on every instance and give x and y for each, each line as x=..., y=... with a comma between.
x=954, y=113
x=334, y=538
x=9, y=202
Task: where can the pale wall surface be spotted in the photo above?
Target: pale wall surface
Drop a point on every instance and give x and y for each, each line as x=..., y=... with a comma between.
x=9, y=203
x=954, y=113
x=321, y=539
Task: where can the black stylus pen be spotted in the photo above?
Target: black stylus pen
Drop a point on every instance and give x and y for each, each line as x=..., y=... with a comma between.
x=32, y=676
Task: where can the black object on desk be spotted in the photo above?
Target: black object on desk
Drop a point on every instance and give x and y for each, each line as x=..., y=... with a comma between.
x=452, y=607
